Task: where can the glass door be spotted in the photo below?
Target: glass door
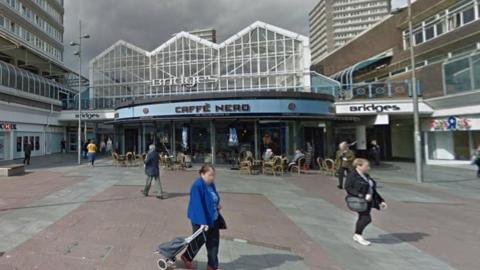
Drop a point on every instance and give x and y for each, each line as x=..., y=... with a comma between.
x=2, y=146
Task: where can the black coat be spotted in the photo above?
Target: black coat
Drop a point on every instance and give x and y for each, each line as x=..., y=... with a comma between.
x=151, y=164
x=358, y=187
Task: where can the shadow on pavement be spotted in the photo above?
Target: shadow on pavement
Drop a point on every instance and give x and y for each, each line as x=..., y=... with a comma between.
x=398, y=238
x=261, y=261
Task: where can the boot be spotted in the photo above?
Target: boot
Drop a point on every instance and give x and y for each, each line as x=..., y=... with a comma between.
x=188, y=264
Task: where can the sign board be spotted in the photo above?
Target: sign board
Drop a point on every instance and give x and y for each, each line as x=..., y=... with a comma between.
x=8, y=126
x=184, y=81
x=227, y=108
x=450, y=123
x=379, y=108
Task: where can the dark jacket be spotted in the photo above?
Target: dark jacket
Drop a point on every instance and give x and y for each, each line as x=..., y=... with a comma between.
x=27, y=149
x=201, y=208
x=151, y=164
x=358, y=187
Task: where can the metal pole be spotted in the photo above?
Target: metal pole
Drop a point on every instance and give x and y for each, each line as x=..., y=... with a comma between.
x=79, y=145
x=416, y=117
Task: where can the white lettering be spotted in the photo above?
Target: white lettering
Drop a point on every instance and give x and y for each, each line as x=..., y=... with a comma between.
x=188, y=82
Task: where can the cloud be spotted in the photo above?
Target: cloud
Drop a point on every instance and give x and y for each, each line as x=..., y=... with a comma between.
x=149, y=23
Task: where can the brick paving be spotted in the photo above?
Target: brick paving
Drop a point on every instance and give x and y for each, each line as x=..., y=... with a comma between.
x=82, y=218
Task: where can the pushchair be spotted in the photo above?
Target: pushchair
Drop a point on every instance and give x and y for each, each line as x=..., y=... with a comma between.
x=169, y=250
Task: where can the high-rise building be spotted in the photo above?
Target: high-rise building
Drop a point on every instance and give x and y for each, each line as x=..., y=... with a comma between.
x=33, y=78
x=334, y=22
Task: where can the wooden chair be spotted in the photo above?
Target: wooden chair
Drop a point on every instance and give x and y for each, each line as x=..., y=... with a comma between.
x=321, y=165
x=299, y=165
x=129, y=158
x=272, y=165
x=179, y=162
x=246, y=161
x=330, y=167
x=117, y=160
x=283, y=167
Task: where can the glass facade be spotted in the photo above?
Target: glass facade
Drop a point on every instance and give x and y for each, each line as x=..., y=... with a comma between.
x=19, y=79
x=260, y=57
x=462, y=74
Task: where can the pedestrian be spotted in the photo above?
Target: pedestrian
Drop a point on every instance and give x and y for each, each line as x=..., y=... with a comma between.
x=375, y=152
x=91, y=152
x=63, y=146
x=268, y=155
x=298, y=155
x=359, y=184
x=476, y=160
x=103, y=147
x=109, y=146
x=85, y=149
x=152, y=170
x=343, y=162
x=27, y=151
x=204, y=209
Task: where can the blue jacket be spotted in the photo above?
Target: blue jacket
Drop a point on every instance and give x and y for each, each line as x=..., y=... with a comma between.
x=151, y=164
x=201, y=207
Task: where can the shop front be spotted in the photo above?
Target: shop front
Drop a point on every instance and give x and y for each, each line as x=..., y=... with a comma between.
x=388, y=122
x=216, y=130
x=451, y=139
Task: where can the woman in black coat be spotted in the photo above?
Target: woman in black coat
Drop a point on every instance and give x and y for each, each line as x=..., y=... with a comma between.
x=361, y=185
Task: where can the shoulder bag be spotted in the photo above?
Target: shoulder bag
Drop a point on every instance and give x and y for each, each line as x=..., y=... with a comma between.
x=356, y=204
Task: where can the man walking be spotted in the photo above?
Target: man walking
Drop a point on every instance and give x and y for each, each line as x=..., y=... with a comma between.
x=152, y=171
x=27, y=151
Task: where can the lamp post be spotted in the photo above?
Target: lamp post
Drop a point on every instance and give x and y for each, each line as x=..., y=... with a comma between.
x=79, y=54
x=416, y=116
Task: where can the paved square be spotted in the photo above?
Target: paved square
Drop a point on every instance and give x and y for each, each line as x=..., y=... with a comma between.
x=70, y=217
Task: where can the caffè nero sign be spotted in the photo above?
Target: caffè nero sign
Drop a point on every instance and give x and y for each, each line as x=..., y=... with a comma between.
x=208, y=108
x=184, y=81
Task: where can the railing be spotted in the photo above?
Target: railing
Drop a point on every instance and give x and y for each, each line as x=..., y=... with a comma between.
x=377, y=90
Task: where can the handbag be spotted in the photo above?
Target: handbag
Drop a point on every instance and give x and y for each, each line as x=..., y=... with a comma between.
x=222, y=224
x=356, y=204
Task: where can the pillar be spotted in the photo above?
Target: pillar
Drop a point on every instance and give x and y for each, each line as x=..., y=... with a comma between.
x=212, y=141
x=256, y=146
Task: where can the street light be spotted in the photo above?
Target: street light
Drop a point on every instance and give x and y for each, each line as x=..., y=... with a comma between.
x=416, y=116
x=79, y=54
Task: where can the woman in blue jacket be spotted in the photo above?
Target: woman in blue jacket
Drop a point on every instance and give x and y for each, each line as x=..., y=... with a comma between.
x=204, y=209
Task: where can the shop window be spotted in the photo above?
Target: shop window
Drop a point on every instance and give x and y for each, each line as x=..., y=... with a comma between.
x=461, y=145
x=19, y=144
x=37, y=143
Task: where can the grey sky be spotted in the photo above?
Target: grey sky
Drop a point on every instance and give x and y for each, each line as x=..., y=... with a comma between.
x=149, y=23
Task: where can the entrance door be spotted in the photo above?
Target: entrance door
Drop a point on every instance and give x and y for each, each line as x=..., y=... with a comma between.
x=72, y=142
x=273, y=137
x=131, y=140
x=314, y=135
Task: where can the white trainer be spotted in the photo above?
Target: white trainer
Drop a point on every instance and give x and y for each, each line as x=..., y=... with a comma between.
x=359, y=239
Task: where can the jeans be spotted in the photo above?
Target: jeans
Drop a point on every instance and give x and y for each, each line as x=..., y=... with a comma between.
x=91, y=157
x=364, y=218
x=148, y=184
x=212, y=243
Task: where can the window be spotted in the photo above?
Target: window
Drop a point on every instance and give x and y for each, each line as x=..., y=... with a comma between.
x=468, y=15
x=457, y=76
x=429, y=32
